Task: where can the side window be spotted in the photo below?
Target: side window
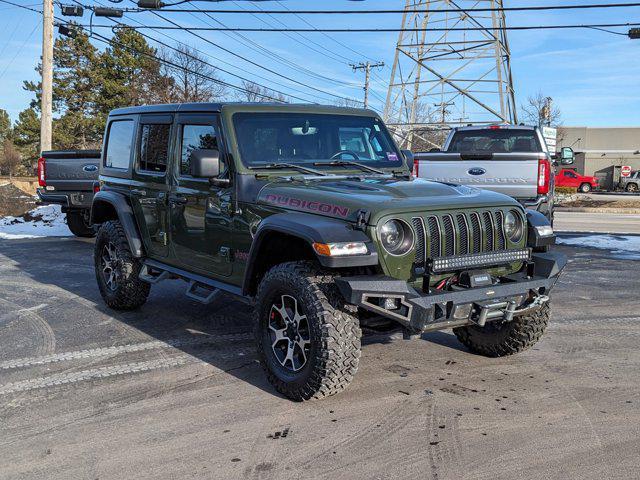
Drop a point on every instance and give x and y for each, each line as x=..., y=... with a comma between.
x=119, y=139
x=196, y=137
x=154, y=147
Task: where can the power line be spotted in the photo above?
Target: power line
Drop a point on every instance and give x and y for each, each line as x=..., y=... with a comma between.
x=221, y=61
x=21, y=6
x=112, y=42
x=391, y=11
x=377, y=30
x=215, y=67
x=280, y=59
x=176, y=26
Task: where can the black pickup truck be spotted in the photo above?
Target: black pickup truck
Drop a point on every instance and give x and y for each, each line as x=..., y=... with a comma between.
x=67, y=178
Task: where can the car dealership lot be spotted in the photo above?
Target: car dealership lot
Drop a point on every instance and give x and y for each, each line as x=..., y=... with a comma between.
x=173, y=390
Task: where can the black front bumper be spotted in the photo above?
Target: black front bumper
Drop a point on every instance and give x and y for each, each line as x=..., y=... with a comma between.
x=438, y=310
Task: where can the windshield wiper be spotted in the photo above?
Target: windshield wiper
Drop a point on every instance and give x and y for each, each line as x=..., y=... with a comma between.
x=347, y=163
x=292, y=166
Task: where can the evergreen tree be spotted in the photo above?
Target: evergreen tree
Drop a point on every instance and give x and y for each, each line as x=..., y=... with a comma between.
x=131, y=75
x=5, y=126
x=26, y=137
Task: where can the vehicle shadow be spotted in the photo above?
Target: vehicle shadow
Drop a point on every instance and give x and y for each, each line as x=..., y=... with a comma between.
x=219, y=334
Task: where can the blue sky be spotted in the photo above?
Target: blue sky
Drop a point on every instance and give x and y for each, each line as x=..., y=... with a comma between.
x=593, y=77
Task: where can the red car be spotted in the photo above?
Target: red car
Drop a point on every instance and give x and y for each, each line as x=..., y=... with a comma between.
x=570, y=178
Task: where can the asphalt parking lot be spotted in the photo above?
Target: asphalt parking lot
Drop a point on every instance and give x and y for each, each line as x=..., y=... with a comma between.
x=173, y=390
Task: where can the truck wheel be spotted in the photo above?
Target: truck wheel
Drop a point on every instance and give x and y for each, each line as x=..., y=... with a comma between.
x=632, y=187
x=78, y=223
x=117, y=270
x=585, y=188
x=499, y=339
x=308, y=343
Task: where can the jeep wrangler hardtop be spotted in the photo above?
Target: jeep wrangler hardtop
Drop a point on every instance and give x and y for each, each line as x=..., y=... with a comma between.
x=311, y=213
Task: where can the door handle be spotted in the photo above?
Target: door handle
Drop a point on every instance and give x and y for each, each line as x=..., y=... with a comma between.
x=177, y=200
x=140, y=192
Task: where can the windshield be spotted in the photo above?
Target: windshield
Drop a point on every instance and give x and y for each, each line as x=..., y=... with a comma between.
x=495, y=141
x=300, y=138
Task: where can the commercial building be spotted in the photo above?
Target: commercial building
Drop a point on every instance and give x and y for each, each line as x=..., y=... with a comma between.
x=602, y=151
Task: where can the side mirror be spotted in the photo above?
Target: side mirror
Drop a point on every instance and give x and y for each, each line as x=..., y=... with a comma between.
x=408, y=156
x=567, y=156
x=205, y=163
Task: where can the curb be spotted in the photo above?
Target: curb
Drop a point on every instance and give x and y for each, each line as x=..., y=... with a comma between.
x=626, y=211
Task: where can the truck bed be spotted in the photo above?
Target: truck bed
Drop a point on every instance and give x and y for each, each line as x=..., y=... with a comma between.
x=513, y=174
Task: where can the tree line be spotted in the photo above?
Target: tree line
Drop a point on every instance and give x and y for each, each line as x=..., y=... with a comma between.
x=88, y=83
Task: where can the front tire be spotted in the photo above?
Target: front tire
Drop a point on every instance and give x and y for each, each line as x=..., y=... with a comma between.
x=585, y=188
x=78, y=223
x=117, y=269
x=307, y=341
x=499, y=339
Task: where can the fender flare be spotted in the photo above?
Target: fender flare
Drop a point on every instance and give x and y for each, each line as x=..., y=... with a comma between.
x=125, y=215
x=311, y=229
x=537, y=219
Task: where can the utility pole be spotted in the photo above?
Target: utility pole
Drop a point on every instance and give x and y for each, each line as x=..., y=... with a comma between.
x=47, y=76
x=443, y=110
x=367, y=69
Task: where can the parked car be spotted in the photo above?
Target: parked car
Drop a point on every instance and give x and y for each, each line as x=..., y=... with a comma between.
x=567, y=177
x=67, y=178
x=311, y=214
x=631, y=183
x=509, y=159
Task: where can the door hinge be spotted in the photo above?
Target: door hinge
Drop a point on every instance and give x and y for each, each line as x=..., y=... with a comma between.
x=362, y=219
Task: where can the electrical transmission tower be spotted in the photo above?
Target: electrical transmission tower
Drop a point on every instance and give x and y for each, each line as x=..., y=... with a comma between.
x=451, y=67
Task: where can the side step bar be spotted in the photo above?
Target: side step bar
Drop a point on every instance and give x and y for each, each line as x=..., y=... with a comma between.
x=201, y=288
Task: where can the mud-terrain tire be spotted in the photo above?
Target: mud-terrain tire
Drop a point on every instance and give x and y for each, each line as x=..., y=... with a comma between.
x=585, y=188
x=117, y=270
x=298, y=290
x=499, y=339
x=79, y=225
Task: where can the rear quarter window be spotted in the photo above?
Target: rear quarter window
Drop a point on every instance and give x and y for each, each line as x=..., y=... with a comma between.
x=119, y=142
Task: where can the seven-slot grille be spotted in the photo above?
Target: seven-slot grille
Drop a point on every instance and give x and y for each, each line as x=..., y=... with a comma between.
x=460, y=234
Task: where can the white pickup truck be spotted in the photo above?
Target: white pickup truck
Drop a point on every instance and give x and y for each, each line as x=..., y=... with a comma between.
x=509, y=159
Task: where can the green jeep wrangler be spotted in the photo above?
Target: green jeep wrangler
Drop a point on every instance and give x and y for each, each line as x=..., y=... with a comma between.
x=311, y=214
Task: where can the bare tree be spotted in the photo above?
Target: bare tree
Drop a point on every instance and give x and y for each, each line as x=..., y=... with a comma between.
x=255, y=93
x=539, y=110
x=348, y=102
x=194, y=79
x=10, y=159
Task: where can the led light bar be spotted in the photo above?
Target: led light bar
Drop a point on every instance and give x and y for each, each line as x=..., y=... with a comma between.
x=475, y=260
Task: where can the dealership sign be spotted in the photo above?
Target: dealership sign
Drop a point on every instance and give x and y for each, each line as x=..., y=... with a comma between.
x=550, y=134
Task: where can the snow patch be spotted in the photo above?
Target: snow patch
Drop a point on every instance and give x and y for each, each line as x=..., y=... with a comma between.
x=44, y=221
x=625, y=246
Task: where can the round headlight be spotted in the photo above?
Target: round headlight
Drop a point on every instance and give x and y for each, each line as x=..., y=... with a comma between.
x=513, y=226
x=396, y=237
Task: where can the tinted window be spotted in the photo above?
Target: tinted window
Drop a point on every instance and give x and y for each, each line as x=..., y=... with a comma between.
x=495, y=141
x=195, y=137
x=307, y=138
x=119, y=140
x=154, y=147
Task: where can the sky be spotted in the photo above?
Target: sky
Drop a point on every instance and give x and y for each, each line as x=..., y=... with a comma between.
x=592, y=76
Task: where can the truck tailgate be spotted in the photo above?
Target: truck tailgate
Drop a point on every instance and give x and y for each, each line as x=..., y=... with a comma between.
x=71, y=170
x=514, y=174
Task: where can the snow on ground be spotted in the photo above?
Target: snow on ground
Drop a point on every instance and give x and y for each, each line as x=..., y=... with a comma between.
x=625, y=246
x=44, y=221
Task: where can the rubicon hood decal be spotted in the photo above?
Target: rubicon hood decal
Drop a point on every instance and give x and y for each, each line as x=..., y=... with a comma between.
x=312, y=206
